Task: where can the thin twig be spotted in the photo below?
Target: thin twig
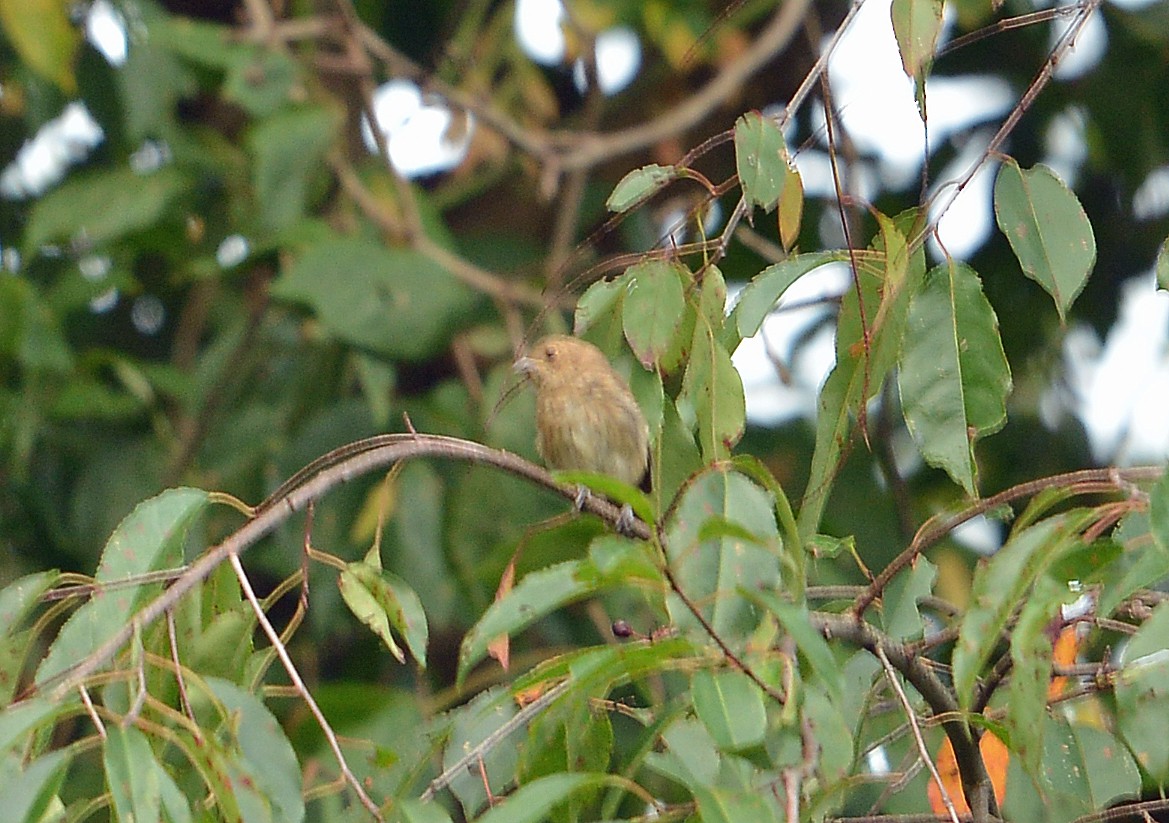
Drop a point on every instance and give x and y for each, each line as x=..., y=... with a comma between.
x=302, y=690
x=327, y=472
x=1084, y=481
x=911, y=716
x=492, y=740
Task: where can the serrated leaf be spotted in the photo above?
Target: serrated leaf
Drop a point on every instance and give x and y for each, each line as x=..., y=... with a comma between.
x=132, y=774
x=600, y=307
x=758, y=299
x=869, y=333
x=149, y=539
x=810, y=644
x=1047, y=229
x=534, y=801
x=470, y=724
x=1031, y=656
x=28, y=790
x=717, y=804
x=382, y=601
x=900, y=616
x=653, y=308
x=534, y=596
x=759, y=159
x=263, y=767
x=638, y=185
x=953, y=377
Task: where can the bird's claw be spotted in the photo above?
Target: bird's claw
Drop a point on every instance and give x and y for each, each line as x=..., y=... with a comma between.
x=582, y=494
x=625, y=520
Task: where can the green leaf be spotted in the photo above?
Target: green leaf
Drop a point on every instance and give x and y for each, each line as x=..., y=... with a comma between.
x=19, y=719
x=149, y=539
x=1162, y=266
x=261, y=80
x=1143, y=563
x=536, y=595
x=533, y=802
x=600, y=306
x=731, y=708
x=480, y=718
x=691, y=758
x=869, y=334
x=953, y=377
x=132, y=774
x=1047, y=228
x=1142, y=695
x=999, y=586
x=1084, y=770
x=916, y=25
x=263, y=761
x=103, y=206
x=809, y=643
x=760, y=159
x=44, y=38
x=1031, y=656
x=30, y=331
x=713, y=389
x=639, y=184
x=17, y=601
x=408, y=810
x=288, y=148
x=713, y=572
x=731, y=805
x=396, y=302
x=382, y=601
x=653, y=308
x=28, y=791
x=900, y=615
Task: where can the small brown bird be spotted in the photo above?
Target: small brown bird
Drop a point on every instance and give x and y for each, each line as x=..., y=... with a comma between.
x=586, y=417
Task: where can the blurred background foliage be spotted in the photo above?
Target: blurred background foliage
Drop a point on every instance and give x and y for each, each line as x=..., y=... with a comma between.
x=228, y=282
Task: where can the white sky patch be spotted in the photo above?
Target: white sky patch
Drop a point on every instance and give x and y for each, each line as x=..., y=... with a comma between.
x=968, y=218
x=618, y=57
x=418, y=133
x=43, y=160
x=807, y=353
x=538, y=29
x=1086, y=52
x=1151, y=199
x=979, y=534
x=105, y=29
x=1122, y=388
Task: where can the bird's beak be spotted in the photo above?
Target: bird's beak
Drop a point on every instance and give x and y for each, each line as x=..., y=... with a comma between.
x=525, y=366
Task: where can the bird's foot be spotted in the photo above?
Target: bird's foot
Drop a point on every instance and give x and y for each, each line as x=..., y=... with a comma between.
x=625, y=520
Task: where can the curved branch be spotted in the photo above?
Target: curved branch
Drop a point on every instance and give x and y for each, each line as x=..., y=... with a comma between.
x=1085, y=481
x=975, y=781
x=307, y=486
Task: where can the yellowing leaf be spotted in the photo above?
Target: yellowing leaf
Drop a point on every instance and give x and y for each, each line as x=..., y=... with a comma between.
x=40, y=32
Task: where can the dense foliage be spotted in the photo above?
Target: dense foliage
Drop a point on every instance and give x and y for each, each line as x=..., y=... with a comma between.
x=229, y=594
